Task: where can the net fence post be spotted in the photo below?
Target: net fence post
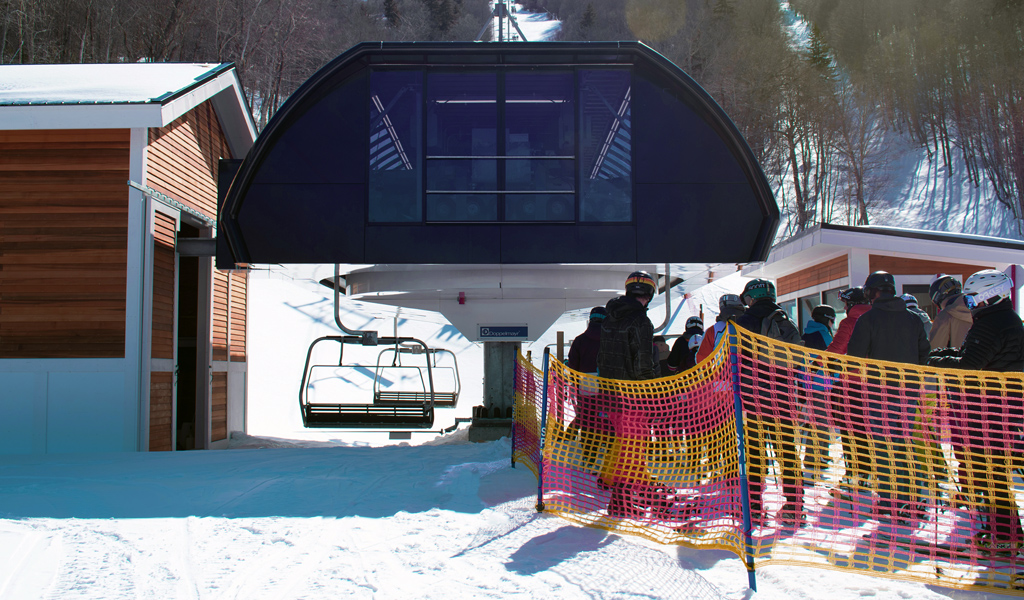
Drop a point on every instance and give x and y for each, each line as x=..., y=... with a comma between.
x=742, y=450
x=543, y=433
x=517, y=395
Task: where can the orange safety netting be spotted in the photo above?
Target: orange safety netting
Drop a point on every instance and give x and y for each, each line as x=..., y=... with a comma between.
x=889, y=469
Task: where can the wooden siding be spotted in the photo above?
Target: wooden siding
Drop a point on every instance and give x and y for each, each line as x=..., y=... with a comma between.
x=830, y=270
x=899, y=265
x=164, y=234
x=63, y=243
x=161, y=412
x=239, y=289
x=220, y=315
x=219, y=414
x=182, y=158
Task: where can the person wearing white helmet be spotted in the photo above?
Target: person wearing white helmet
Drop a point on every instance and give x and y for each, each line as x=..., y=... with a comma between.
x=684, y=350
x=914, y=307
x=986, y=444
x=730, y=306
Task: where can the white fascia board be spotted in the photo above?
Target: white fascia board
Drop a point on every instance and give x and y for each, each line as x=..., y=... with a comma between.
x=235, y=119
x=80, y=116
x=925, y=249
x=225, y=91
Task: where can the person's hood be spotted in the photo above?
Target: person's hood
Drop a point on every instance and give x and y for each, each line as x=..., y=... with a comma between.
x=958, y=310
x=891, y=304
x=728, y=313
x=816, y=327
x=623, y=306
x=762, y=308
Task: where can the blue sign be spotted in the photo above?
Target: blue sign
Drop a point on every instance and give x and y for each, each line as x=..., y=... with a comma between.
x=498, y=332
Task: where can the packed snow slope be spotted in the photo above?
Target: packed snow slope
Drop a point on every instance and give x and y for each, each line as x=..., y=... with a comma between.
x=273, y=519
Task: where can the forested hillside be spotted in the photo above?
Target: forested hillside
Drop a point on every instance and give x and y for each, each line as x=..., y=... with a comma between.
x=820, y=88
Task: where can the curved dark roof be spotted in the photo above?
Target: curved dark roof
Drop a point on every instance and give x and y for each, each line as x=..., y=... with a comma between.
x=301, y=194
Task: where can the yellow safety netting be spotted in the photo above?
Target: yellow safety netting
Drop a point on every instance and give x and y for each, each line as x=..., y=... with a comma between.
x=895, y=470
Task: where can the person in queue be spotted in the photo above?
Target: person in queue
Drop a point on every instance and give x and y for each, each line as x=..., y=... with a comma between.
x=684, y=350
x=953, y=319
x=627, y=354
x=890, y=332
x=730, y=306
x=914, y=307
x=818, y=331
x=771, y=413
x=987, y=432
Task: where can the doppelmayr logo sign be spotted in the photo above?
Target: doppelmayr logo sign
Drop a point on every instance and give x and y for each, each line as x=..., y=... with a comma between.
x=501, y=332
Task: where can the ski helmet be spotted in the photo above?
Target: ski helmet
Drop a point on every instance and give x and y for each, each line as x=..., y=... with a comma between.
x=694, y=322
x=853, y=296
x=757, y=289
x=640, y=283
x=824, y=314
x=942, y=288
x=910, y=299
x=986, y=288
x=881, y=281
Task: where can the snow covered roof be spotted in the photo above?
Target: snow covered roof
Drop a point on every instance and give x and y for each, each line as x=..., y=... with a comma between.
x=119, y=96
x=100, y=84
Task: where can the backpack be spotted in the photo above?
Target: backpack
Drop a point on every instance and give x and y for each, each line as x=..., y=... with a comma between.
x=777, y=326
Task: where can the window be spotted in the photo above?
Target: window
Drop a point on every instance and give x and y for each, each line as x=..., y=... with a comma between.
x=396, y=104
x=805, y=305
x=606, y=164
x=831, y=297
x=538, y=145
x=462, y=147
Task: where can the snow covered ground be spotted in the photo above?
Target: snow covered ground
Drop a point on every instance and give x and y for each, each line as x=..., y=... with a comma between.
x=444, y=519
x=289, y=513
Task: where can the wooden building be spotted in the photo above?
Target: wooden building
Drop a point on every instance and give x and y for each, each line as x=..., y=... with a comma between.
x=813, y=267
x=116, y=331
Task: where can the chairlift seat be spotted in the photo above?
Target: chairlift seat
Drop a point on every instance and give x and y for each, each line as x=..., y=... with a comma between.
x=405, y=398
x=368, y=416
x=408, y=414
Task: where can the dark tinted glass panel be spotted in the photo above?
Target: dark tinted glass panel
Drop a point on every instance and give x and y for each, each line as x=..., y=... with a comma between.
x=539, y=117
x=462, y=207
x=462, y=114
x=541, y=175
x=396, y=109
x=606, y=164
x=462, y=174
x=540, y=207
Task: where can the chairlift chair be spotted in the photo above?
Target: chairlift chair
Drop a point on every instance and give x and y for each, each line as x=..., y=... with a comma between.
x=401, y=395
x=416, y=413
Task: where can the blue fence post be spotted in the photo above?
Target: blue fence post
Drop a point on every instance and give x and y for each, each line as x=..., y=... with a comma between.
x=515, y=406
x=543, y=433
x=742, y=447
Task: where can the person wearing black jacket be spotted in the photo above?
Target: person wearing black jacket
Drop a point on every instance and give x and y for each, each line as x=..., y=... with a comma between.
x=627, y=353
x=890, y=332
x=985, y=444
x=583, y=358
x=764, y=317
x=683, y=357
